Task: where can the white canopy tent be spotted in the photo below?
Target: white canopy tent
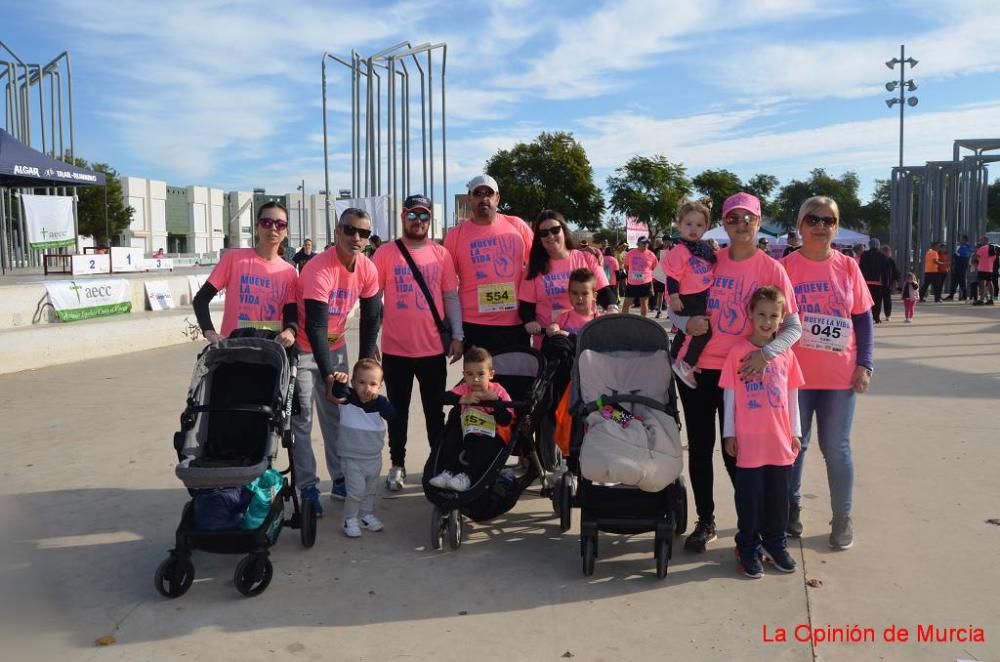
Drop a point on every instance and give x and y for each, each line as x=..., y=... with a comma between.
x=719, y=234
x=844, y=237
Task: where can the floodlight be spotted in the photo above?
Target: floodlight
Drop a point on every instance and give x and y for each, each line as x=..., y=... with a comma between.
x=910, y=85
x=890, y=86
x=910, y=61
x=912, y=101
x=891, y=102
x=892, y=63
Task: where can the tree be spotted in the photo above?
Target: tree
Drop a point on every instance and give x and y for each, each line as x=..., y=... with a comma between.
x=649, y=189
x=94, y=218
x=843, y=189
x=717, y=185
x=763, y=186
x=876, y=211
x=553, y=172
x=993, y=206
x=613, y=230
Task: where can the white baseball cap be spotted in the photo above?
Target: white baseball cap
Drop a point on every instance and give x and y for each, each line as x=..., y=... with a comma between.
x=483, y=180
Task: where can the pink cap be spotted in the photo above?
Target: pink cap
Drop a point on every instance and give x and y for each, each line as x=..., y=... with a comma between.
x=741, y=201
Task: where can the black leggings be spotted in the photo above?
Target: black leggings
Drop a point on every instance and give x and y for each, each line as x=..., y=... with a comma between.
x=432, y=375
x=494, y=338
x=702, y=406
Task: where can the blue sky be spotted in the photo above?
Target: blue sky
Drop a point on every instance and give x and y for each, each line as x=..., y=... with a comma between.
x=227, y=94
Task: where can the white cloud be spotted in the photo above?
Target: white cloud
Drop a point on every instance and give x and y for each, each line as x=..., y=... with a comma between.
x=816, y=67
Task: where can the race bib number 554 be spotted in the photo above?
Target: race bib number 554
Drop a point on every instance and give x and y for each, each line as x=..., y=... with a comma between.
x=497, y=298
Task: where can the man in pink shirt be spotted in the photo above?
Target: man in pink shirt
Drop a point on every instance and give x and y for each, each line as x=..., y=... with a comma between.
x=330, y=284
x=639, y=265
x=412, y=342
x=987, y=259
x=490, y=251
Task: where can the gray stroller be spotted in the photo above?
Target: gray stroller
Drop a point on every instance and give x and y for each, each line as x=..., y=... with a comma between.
x=237, y=416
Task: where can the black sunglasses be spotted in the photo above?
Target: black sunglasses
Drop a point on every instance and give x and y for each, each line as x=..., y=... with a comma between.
x=554, y=230
x=813, y=220
x=352, y=231
x=268, y=223
x=423, y=216
x=734, y=219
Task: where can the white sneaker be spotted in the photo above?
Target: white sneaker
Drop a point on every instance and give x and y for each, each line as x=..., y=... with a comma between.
x=442, y=480
x=352, y=528
x=371, y=522
x=908, y=321
x=459, y=482
x=685, y=373
x=394, y=481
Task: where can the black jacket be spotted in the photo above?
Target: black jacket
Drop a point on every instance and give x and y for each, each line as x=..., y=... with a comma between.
x=875, y=267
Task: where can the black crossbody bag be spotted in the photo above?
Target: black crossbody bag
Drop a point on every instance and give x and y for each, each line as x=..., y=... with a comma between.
x=442, y=327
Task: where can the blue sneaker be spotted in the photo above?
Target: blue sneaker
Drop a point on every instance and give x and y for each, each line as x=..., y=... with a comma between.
x=312, y=494
x=339, y=491
x=750, y=565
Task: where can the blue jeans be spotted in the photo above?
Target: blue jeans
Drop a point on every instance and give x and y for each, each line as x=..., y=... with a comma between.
x=834, y=410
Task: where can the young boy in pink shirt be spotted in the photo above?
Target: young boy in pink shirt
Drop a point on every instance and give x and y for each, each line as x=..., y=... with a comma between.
x=761, y=430
x=582, y=291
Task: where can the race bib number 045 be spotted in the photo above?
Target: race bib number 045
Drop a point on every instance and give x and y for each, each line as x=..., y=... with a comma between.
x=826, y=332
x=478, y=422
x=497, y=298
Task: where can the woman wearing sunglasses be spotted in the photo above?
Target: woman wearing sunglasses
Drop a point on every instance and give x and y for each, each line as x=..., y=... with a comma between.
x=835, y=354
x=543, y=293
x=739, y=271
x=260, y=285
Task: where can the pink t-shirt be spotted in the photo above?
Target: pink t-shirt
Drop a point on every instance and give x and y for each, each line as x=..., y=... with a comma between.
x=490, y=262
x=550, y=292
x=324, y=278
x=763, y=421
x=985, y=259
x=693, y=273
x=408, y=328
x=640, y=264
x=827, y=293
x=611, y=270
x=572, y=321
x=733, y=285
x=504, y=432
x=256, y=289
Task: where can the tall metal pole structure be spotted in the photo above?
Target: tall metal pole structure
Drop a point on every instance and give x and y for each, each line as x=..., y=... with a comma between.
x=903, y=85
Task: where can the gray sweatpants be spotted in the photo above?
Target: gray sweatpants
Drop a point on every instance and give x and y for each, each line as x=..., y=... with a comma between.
x=361, y=480
x=311, y=388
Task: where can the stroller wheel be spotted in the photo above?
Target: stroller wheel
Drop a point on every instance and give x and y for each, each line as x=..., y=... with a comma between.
x=455, y=526
x=437, y=528
x=565, y=491
x=662, y=554
x=253, y=574
x=589, y=550
x=680, y=502
x=307, y=523
x=174, y=576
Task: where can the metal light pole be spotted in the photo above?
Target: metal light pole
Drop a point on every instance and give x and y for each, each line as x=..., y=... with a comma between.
x=302, y=205
x=903, y=85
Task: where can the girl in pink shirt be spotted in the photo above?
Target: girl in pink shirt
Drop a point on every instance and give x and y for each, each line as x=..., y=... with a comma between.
x=260, y=287
x=761, y=430
x=542, y=295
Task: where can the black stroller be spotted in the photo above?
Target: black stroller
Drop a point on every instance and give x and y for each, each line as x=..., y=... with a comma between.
x=521, y=371
x=625, y=476
x=238, y=411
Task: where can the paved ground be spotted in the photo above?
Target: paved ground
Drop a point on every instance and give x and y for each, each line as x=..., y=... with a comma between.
x=89, y=504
